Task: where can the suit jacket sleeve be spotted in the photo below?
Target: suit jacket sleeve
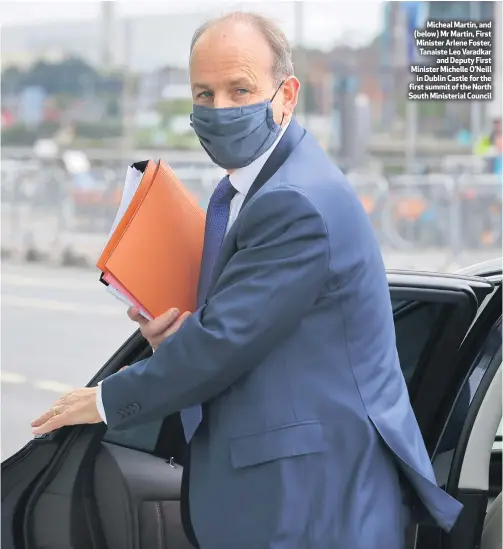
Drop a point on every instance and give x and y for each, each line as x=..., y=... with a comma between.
x=274, y=278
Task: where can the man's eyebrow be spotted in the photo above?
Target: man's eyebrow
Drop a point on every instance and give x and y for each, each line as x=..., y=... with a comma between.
x=201, y=86
x=240, y=82
x=234, y=82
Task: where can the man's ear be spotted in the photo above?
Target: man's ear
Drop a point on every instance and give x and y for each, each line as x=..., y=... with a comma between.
x=291, y=87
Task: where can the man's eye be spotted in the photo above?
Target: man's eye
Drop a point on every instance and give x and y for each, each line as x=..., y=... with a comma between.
x=242, y=91
x=204, y=94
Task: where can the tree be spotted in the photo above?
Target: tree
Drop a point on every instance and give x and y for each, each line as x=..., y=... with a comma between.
x=11, y=81
x=72, y=77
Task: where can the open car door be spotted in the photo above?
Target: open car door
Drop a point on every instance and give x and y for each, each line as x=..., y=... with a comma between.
x=91, y=487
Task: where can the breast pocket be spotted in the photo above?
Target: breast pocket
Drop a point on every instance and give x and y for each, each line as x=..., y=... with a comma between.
x=296, y=439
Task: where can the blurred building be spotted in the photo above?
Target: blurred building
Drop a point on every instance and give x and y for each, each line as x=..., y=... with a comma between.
x=442, y=117
x=482, y=11
x=142, y=43
x=495, y=109
x=324, y=68
x=165, y=83
x=150, y=68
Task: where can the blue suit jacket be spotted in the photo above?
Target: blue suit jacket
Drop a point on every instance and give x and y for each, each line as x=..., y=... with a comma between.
x=309, y=437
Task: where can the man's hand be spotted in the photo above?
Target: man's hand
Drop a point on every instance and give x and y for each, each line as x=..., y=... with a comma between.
x=79, y=406
x=75, y=408
x=157, y=330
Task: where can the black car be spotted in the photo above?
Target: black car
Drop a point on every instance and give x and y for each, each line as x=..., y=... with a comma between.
x=87, y=487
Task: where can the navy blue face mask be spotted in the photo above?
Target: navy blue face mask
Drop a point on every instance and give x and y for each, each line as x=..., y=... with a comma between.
x=234, y=137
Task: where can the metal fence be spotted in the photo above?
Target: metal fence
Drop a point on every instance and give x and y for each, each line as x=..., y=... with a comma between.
x=50, y=214
x=436, y=211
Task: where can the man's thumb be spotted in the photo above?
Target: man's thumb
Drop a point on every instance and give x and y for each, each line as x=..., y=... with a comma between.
x=134, y=314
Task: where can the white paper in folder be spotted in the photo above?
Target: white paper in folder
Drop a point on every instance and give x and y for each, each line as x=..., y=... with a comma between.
x=133, y=180
x=131, y=184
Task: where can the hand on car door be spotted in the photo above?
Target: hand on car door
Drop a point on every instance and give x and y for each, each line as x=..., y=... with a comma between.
x=79, y=407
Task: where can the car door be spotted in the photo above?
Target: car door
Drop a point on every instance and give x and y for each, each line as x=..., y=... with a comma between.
x=92, y=487
x=467, y=456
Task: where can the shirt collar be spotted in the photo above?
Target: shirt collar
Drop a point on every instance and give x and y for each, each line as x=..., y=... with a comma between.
x=242, y=179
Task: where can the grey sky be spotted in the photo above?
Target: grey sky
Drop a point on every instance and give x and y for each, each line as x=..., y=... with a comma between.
x=325, y=23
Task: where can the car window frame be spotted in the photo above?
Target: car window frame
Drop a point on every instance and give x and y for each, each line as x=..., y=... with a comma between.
x=434, y=373
x=488, y=314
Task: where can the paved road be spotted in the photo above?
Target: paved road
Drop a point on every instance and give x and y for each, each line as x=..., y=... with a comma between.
x=57, y=328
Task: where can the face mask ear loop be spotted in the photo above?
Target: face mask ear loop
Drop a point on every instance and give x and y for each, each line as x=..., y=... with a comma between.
x=276, y=92
x=272, y=99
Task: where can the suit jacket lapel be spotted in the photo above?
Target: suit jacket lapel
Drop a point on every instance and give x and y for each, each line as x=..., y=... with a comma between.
x=291, y=138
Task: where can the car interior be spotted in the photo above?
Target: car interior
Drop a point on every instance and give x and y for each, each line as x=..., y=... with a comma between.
x=492, y=533
x=468, y=460
x=109, y=489
x=479, y=479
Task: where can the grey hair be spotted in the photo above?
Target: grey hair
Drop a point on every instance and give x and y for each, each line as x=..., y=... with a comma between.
x=283, y=65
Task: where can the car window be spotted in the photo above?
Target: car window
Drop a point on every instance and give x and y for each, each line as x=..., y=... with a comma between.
x=414, y=323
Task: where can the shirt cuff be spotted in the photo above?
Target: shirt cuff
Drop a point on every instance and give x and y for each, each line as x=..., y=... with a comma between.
x=99, y=403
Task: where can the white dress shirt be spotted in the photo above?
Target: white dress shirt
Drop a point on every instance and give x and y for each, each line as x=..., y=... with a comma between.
x=241, y=179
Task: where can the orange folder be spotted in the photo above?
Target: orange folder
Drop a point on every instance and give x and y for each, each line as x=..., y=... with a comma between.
x=156, y=249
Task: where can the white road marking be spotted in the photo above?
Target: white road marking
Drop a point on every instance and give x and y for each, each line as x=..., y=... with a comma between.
x=12, y=377
x=54, y=386
x=63, y=306
x=57, y=282
x=44, y=385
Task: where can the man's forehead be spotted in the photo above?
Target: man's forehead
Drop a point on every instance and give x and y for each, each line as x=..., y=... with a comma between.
x=231, y=30
x=228, y=42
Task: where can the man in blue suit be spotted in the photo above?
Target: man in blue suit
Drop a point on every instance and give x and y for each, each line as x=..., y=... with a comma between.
x=287, y=377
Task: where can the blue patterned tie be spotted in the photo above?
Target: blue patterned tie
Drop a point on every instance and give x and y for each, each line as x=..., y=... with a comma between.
x=217, y=217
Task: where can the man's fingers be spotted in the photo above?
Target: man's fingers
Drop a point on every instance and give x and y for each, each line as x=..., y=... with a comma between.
x=55, y=422
x=165, y=320
x=53, y=419
x=77, y=407
x=175, y=326
x=178, y=323
x=159, y=325
x=43, y=418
